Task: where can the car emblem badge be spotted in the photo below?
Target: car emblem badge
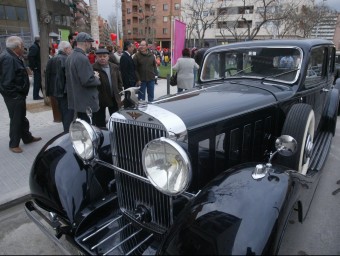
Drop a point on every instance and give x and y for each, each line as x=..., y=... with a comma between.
x=134, y=115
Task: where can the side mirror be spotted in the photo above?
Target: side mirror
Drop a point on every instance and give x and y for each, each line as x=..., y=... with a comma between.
x=286, y=145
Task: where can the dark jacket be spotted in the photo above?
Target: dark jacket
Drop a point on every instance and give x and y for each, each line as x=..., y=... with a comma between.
x=145, y=64
x=34, y=61
x=106, y=97
x=14, y=81
x=81, y=84
x=55, y=75
x=127, y=70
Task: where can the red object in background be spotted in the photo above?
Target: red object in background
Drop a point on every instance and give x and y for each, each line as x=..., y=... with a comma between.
x=136, y=44
x=158, y=48
x=55, y=46
x=113, y=36
x=76, y=33
x=96, y=41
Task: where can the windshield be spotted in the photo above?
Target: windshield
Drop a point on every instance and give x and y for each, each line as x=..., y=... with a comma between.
x=274, y=63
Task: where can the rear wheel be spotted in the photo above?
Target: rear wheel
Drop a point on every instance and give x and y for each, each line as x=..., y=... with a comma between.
x=299, y=124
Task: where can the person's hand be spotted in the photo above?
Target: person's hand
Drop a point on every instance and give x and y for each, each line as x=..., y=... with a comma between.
x=139, y=83
x=96, y=74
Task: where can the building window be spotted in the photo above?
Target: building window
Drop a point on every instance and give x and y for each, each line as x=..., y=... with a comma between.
x=177, y=6
x=165, y=7
x=165, y=19
x=165, y=31
x=128, y=10
x=128, y=21
x=10, y=13
x=57, y=20
x=22, y=13
x=2, y=13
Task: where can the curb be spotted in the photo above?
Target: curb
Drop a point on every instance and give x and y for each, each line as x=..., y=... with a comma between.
x=15, y=202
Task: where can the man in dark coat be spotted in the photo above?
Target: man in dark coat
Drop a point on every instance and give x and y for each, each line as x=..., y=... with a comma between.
x=81, y=80
x=14, y=87
x=34, y=63
x=110, y=88
x=56, y=80
x=127, y=66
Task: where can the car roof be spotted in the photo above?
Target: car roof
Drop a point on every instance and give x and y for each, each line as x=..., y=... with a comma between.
x=302, y=43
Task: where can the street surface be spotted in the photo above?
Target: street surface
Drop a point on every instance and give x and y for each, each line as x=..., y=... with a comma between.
x=318, y=235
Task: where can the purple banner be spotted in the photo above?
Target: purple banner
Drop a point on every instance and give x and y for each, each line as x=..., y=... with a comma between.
x=179, y=40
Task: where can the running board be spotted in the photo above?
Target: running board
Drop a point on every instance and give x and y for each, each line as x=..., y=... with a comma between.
x=321, y=148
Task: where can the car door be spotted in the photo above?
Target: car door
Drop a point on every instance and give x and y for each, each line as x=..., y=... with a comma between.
x=316, y=85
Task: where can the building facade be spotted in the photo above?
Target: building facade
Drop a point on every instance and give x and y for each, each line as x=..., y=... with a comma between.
x=104, y=32
x=65, y=18
x=149, y=20
x=229, y=21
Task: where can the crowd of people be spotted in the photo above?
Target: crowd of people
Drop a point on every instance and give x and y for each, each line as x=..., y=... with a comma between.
x=79, y=77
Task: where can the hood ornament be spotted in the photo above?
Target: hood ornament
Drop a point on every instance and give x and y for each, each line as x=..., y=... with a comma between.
x=134, y=115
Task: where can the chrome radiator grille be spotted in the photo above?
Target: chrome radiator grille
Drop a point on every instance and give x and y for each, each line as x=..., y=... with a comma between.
x=129, y=139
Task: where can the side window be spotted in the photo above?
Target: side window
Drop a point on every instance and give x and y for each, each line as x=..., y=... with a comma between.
x=211, y=68
x=316, y=67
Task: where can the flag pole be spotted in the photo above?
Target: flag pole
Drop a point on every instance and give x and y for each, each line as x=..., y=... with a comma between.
x=172, y=42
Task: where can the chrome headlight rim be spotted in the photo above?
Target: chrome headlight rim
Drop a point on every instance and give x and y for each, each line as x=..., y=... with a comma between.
x=94, y=139
x=186, y=163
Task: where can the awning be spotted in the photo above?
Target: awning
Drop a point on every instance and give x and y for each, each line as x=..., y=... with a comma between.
x=52, y=34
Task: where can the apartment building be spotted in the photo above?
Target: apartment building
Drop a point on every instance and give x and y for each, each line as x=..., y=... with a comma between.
x=104, y=31
x=149, y=20
x=65, y=17
x=229, y=21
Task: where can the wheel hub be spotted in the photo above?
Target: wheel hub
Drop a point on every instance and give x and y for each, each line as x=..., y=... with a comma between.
x=308, y=148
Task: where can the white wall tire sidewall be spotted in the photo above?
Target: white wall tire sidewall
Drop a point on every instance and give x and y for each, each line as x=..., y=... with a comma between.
x=309, y=129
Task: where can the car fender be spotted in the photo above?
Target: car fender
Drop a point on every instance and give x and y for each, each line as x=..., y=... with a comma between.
x=331, y=112
x=234, y=215
x=61, y=183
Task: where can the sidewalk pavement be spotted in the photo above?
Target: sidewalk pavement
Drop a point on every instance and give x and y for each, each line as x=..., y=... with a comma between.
x=15, y=168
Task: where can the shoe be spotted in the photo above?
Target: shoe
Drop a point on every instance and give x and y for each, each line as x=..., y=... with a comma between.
x=16, y=150
x=39, y=98
x=34, y=139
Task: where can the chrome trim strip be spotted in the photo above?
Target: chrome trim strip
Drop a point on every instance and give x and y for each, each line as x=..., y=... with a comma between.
x=172, y=123
x=123, y=241
x=107, y=238
x=100, y=229
x=139, y=245
x=122, y=171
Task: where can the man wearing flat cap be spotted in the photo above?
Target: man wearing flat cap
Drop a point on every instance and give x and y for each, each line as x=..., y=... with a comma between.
x=110, y=88
x=81, y=80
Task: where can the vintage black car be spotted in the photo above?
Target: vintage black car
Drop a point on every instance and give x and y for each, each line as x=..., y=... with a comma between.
x=217, y=169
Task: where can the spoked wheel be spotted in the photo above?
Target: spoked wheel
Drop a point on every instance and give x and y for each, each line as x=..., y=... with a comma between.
x=299, y=124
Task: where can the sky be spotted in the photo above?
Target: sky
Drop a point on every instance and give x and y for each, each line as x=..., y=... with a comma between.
x=107, y=7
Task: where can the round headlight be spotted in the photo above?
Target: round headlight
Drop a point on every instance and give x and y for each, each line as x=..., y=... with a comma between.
x=167, y=166
x=84, y=138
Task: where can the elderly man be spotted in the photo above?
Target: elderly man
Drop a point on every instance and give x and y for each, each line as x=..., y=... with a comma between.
x=14, y=87
x=56, y=80
x=111, y=86
x=81, y=80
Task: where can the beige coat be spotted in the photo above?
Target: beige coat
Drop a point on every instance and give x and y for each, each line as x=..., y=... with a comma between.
x=185, y=72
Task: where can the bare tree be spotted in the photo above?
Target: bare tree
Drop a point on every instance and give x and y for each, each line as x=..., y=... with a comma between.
x=200, y=15
x=112, y=22
x=274, y=16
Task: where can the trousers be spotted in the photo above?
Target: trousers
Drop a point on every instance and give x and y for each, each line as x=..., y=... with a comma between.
x=19, y=124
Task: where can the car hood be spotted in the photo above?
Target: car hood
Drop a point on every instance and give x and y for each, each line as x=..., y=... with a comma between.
x=220, y=101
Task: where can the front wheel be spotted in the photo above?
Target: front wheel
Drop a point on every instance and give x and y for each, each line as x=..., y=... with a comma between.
x=299, y=124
